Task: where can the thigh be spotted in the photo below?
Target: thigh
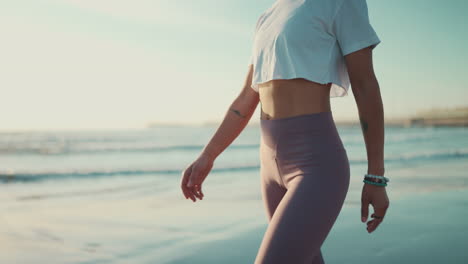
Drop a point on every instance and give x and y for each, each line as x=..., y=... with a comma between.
x=272, y=194
x=271, y=187
x=304, y=217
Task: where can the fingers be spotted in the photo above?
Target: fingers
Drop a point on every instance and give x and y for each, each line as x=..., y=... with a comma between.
x=378, y=216
x=196, y=191
x=364, y=208
x=194, y=185
x=186, y=190
x=199, y=191
x=372, y=225
x=189, y=185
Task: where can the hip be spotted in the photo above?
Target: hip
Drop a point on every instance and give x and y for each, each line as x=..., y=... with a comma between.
x=307, y=145
x=308, y=134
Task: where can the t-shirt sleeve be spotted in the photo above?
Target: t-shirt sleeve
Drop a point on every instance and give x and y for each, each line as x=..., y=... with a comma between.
x=251, y=58
x=352, y=28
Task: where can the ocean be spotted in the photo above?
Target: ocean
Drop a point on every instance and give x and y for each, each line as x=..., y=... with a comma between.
x=113, y=196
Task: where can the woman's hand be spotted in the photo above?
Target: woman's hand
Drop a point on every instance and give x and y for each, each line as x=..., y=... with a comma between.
x=194, y=175
x=377, y=196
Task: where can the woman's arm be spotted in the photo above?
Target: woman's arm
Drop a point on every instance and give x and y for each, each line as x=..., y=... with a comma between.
x=366, y=92
x=235, y=120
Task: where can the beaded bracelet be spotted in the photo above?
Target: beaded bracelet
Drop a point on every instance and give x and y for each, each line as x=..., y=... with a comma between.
x=377, y=177
x=375, y=180
x=375, y=183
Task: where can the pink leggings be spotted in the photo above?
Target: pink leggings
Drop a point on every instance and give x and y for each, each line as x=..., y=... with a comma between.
x=304, y=181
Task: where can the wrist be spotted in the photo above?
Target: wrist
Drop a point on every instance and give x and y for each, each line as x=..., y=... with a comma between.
x=374, y=185
x=209, y=155
x=376, y=170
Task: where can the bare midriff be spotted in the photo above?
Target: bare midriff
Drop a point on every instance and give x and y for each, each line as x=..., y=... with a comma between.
x=284, y=98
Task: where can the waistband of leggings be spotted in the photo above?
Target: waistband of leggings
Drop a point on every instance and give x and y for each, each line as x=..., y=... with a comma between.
x=328, y=115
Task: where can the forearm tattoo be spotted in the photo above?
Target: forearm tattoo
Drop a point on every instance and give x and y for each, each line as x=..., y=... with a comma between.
x=237, y=112
x=364, y=125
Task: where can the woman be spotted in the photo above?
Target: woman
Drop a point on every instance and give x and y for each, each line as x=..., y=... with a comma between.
x=304, y=53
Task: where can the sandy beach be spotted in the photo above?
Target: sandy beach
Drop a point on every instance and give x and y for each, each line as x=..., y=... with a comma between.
x=422, y=228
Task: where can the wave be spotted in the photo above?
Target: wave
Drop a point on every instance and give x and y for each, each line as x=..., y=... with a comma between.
x=62, y=175
x=96, y=149
x=418, y=156
x=31, y=176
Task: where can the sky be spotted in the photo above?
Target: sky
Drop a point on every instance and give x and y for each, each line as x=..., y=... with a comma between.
x=118, y=64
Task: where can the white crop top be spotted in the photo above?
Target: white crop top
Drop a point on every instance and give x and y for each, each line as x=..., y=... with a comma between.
x=309, y=39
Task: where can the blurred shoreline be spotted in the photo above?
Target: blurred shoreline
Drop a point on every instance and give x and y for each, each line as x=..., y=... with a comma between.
x=433, y=117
